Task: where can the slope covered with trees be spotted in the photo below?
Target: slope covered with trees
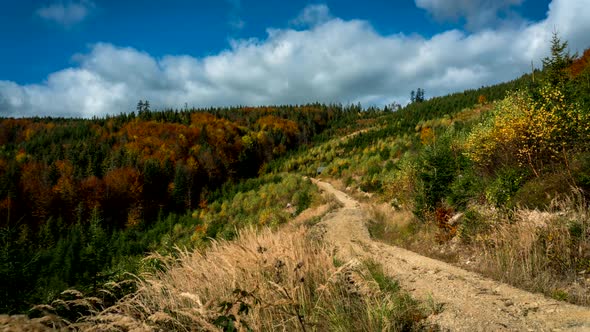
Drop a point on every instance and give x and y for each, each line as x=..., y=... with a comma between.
x=82, y=201
x=78, y=197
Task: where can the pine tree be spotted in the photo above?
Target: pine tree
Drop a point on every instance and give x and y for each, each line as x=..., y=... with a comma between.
x=420, y=95
x=556, y=65
x=140, y=106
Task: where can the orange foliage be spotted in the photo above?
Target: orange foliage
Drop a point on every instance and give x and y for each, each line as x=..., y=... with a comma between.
x=580, y=64
x=21, y=156
x=442, y=216
x=6, y=203
x=482, y=99
x=124, y=182
x=275, y=124
x=161, y=141
x=65, y=186
x=134, y=216
x=200, y=118
x=92, y=192
x=426, y=135
x=11, y=130
x=222, y=134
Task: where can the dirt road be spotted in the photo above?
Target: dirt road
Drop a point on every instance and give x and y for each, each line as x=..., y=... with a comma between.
x=470, y=301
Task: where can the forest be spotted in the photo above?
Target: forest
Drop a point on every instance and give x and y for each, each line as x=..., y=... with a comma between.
x=81, y=197
x=82, y=201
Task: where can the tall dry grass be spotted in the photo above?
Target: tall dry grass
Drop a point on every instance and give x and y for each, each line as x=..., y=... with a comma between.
x=263, y=281
x=541, y=251
x=547, y=252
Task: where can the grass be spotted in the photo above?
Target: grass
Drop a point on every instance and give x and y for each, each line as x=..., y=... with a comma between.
x=546, y=252
x=390, y=226
x=262, y=281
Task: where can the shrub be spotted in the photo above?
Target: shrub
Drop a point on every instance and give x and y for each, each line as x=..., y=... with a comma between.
x=472, y=224
x=436, y=170
x=466, y=187
x=538, y=193
x=528, y=133
x=502, y=189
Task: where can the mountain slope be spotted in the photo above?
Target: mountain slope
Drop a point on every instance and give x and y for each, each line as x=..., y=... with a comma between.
x=469, y=301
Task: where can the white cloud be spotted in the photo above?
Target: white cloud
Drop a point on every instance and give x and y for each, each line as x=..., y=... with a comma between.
x=477, y=13
x=66, y=13
x=313, y=15
x=336, y=61
x=235, y=21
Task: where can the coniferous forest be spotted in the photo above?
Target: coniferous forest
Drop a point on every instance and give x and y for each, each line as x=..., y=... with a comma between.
x=81, y=199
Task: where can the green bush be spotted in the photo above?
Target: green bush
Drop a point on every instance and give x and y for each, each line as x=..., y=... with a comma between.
x=538, y=193
x=437, y=165
x=581, y=171
x=472, y=224
x=502, y=189
x=466, y=187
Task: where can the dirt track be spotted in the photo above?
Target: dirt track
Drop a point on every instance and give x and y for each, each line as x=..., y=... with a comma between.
x=470, y=301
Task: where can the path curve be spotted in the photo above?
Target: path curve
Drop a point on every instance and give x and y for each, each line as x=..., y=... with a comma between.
x=470, y=302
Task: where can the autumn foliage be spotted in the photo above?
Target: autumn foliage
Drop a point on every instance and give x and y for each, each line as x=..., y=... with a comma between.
x=131, y=167
x=79, y=198
x=581, y=64
x=532, y=133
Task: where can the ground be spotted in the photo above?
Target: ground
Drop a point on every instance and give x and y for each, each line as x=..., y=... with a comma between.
x=468, y=301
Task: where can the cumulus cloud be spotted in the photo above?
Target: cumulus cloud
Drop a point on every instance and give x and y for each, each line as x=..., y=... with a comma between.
x=334, y=61
x=66, y=13
x=312, y=15
x=477, y=13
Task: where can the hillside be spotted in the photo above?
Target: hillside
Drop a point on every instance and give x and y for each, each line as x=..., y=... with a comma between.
x=466, y=301
x=81, y=201
x=493, y=179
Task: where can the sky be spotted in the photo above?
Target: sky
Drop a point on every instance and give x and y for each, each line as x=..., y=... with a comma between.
x=85, y=58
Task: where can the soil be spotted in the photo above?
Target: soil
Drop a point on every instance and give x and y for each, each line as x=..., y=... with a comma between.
x=469, y=301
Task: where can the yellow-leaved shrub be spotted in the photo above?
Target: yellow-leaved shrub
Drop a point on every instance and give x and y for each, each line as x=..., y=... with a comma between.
x=529, y=133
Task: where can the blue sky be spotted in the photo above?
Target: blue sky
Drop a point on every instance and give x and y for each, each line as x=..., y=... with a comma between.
x=95, y=57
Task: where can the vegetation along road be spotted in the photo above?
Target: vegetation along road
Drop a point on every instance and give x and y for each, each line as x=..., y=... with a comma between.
x=467, y=301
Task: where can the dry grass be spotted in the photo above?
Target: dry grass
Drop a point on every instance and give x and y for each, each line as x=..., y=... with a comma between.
x=262, y=281
x=547, y=252
x=400, y=227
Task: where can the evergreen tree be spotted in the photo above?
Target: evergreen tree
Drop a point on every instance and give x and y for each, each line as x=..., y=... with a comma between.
x=140, y=106
x=560, y=59
x=419, y=95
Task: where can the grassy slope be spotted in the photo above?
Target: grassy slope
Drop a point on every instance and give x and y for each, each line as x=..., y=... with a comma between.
x=415, y=160
x=263, y=279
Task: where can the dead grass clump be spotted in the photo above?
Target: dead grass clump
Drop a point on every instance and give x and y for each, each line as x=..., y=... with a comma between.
x=391, y=226
x=546, y=252
x=262, y=281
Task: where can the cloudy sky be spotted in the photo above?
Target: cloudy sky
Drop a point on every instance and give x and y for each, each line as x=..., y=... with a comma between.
x=97, y=57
